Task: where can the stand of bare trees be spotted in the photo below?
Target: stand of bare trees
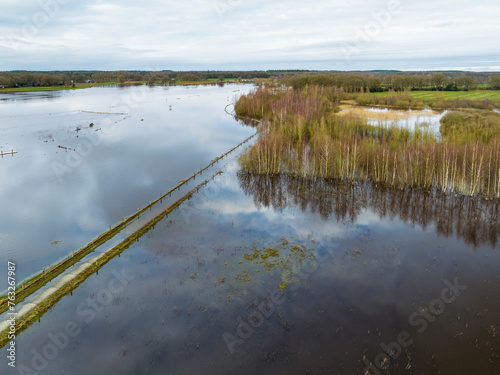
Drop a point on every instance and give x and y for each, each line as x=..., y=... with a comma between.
x=301, y=135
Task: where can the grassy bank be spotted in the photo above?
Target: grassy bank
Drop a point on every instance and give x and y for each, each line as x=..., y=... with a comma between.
x=127, y=83
x=55, y=88
x=205, y=82
x=431, y=96
x=302, y=135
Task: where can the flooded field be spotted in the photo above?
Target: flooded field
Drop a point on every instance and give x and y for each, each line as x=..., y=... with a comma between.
x=77, y=173
x=253, y=274
x=426, y=119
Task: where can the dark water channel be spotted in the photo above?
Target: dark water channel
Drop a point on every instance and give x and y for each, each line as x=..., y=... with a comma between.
x=279, y=275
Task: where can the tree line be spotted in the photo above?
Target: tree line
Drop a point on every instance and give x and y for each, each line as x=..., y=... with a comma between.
x=59, y=78
x=377, y=82
x=374, y=81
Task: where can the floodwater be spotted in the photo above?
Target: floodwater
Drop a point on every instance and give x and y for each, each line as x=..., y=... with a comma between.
x=277, y=275
x=108, y=170
x=426, y=119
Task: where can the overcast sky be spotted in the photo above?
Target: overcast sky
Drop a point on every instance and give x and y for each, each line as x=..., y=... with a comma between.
x=250, y=34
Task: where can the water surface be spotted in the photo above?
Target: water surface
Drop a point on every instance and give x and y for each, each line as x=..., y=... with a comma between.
x=105, y=171
x=282, y=275
x=427, y=119
x=274, y=274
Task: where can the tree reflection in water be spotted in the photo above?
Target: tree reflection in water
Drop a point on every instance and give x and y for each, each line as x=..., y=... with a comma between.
x=471, y=219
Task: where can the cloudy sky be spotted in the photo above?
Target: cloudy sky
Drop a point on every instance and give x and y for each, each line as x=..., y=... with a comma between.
x=250, y=34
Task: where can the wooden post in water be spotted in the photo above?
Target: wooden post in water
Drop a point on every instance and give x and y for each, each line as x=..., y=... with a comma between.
x=11, y=152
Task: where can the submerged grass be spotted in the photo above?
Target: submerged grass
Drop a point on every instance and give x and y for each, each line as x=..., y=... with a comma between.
x=284, y=259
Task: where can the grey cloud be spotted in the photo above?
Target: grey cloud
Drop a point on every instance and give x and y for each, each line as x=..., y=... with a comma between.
x=206, y=34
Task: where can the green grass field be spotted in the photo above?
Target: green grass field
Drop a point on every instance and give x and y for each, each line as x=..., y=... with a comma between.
x=209, y=81
x=225, y=79
x=55, y=88
x=431, y=96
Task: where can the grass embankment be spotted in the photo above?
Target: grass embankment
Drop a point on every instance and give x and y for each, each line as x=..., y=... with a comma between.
x=303, y=135
x=55, y=88
x=225, y=79
x=478, y=99
x=30, y=286
x=128, y=83
x=210, y=81
x=37, y=312
x=194, y=83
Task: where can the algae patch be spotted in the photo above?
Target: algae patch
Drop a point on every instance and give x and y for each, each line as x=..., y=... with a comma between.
x=284, y=257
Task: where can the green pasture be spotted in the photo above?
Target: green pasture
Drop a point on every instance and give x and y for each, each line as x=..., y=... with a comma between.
x=432, y=96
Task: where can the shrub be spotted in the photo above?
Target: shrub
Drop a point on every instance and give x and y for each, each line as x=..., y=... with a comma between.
x=402, y=104
x=463, y=127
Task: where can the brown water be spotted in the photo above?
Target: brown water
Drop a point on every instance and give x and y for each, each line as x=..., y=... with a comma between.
x=279, y=275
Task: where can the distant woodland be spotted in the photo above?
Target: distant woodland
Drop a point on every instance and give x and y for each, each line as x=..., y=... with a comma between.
x=375, y=81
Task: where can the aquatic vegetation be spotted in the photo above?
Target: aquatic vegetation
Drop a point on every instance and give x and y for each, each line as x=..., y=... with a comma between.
x=253, y=256
x=285, y=260
x=269, y=253
x=220, y=281
x=243, y=276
